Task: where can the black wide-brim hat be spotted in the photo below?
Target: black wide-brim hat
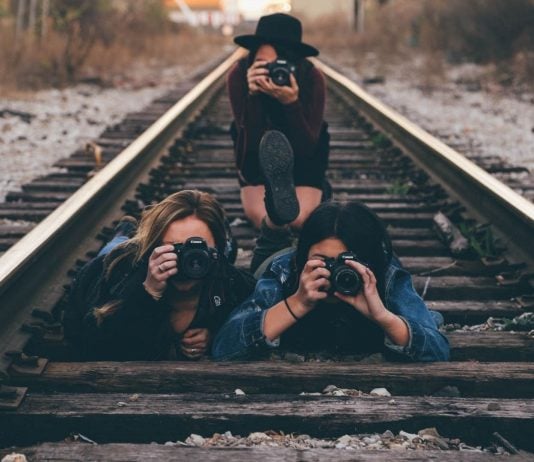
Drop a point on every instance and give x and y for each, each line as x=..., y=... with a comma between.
x=277, y=29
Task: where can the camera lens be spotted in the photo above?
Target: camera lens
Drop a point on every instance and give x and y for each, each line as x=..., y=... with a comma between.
x=195, y=264
x=347, y=281
x=280, y=76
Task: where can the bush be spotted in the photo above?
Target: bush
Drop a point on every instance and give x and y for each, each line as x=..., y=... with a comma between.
x=94, y=38
x=479, y=30
x=429, y=32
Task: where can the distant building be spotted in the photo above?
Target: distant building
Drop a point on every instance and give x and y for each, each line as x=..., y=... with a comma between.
x=214, y=13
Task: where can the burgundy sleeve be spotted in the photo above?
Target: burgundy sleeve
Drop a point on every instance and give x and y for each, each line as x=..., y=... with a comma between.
x=303, y=122
x=235, y=92
x=248, y=111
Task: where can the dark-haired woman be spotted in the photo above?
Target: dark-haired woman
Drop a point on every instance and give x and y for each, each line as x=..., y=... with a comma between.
x=295, y=109
x=294, y=307
x=138, y=302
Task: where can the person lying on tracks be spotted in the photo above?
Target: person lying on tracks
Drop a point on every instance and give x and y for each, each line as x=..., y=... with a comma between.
x=341, y=291
x=161, y=294
x=276, y=87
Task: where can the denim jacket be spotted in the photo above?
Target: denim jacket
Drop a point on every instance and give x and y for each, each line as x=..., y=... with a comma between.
x=242, y=333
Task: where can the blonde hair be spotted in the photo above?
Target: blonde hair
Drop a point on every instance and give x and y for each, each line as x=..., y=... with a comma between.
x=155, y=220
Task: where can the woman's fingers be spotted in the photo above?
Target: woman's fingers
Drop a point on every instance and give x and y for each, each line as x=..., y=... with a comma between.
x=163, y=271
x=264, y=84
x=195, y=340
x=164, y=257
x=320, y=285
x=162, y=249
x=193, y=350
x=320, y=272
x=255, y=72
x=193, y=355
x=165, y=265
x=192, y=332
x=365, y=272
x=372, y=276
x=195, y=346
x=312, y=264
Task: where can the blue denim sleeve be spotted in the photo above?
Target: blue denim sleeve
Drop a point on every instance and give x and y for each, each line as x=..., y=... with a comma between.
x=426, y=343
x=242, y=334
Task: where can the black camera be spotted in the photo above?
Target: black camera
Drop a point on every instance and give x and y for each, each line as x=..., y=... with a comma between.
x=343, y=278
x=280, y=70
x=195, y=259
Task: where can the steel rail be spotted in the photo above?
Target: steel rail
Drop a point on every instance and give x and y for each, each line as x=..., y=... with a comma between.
x=32, y=271
x=486, y=198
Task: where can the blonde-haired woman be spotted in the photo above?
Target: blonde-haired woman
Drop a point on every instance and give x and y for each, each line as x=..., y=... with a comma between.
x=149, y=299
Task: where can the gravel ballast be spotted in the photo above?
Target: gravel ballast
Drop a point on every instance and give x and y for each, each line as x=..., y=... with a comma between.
x=461, y=109
x=37, y=130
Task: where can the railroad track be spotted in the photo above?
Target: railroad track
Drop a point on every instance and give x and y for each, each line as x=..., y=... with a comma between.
x=377, y=157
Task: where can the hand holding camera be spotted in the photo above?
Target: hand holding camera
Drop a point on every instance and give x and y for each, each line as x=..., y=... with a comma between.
x=257, y=71
x=280, y=72
x=162, y=265
x=312, y=285
x=347, y=279
x=182, y=262
x=366, y=299
x=195, y=259
x=276, y=79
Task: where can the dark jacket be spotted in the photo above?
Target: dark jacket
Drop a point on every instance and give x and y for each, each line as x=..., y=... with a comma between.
x=335, y=328
x=140, y=329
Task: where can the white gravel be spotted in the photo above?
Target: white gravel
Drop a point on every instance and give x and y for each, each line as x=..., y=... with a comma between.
x=487, y=122
x=64, y=120
x=463, y=109
x=425, y=439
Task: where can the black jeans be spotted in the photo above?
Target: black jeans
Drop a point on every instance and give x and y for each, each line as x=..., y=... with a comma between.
x=269, y=242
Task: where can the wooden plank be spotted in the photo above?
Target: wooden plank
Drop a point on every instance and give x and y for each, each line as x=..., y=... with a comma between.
x=113, y=417
x=80, y=452
x=459, y=287
x=507, y=380
x=474, y=311
x=491, y=346
x=402, y=247
x=465, y=346
x=446, y=266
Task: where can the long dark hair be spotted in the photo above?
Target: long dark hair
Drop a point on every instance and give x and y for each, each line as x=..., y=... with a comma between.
x=354, y=224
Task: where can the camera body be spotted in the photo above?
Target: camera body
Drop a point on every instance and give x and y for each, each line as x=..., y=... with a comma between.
x=343, y=278
x=280, y=70
x=196, y=259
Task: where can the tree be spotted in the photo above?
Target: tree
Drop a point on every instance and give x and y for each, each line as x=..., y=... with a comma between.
x=82, y=22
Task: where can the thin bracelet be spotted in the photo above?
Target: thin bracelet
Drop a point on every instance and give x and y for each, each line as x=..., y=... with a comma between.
x=154, y=295
x=290, y=310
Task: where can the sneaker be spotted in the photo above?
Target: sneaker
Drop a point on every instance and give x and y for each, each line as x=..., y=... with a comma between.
x=276, y=161
x=127, y=226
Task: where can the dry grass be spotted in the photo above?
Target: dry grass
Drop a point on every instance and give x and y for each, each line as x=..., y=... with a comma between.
x=59, y=61
x=432, y=34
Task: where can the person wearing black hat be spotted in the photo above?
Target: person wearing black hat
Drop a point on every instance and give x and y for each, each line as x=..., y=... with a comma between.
x=280, y=138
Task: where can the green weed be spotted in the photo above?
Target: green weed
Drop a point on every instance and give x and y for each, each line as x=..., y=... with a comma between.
x=381, y=141
x=481, y=242
x=399, y=188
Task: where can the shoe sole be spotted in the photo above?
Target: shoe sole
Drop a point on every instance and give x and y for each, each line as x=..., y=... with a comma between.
x=276, y=161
